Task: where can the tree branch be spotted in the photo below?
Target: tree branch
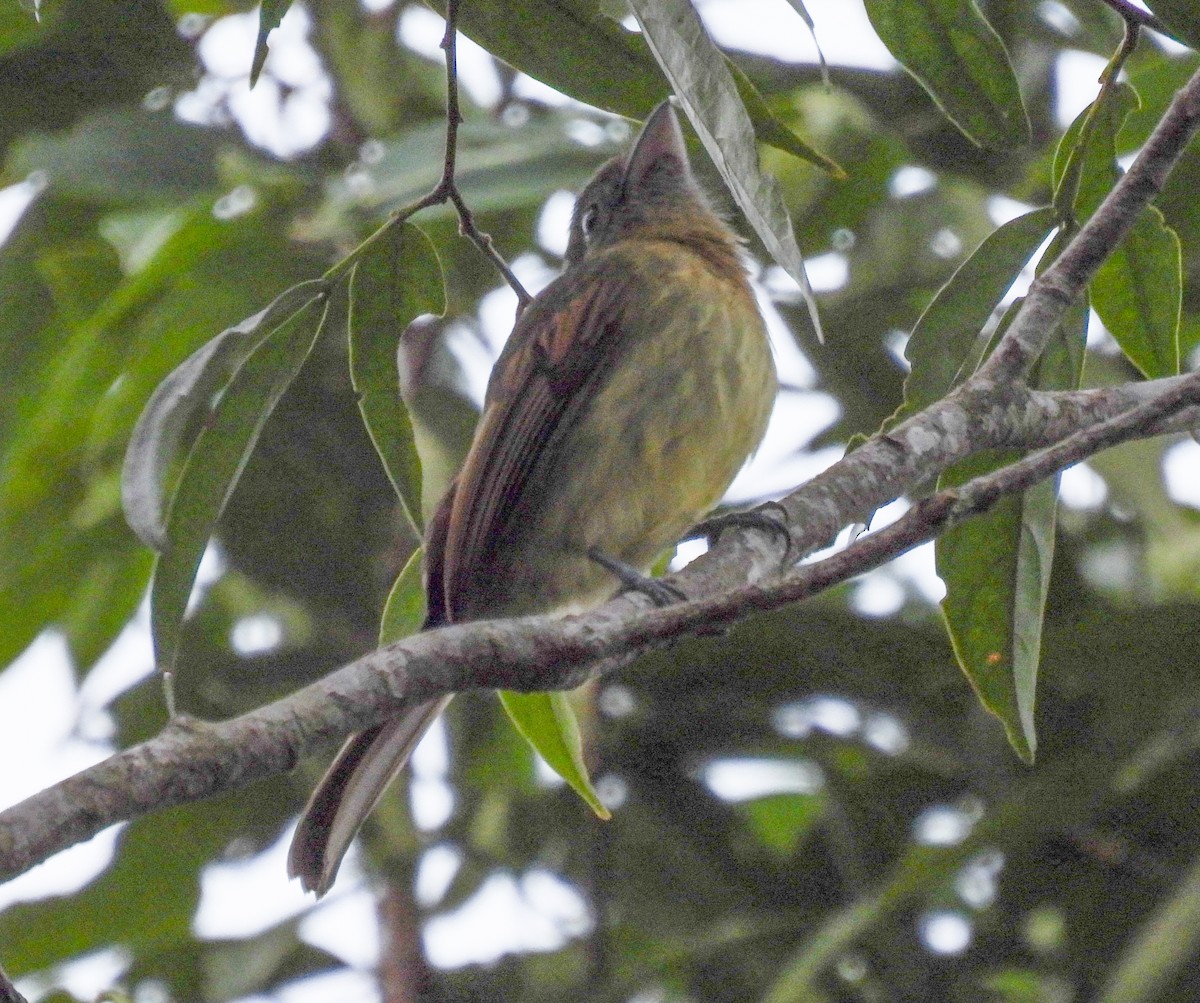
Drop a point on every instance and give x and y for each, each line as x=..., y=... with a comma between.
x=1064, y=281
x=192, y=760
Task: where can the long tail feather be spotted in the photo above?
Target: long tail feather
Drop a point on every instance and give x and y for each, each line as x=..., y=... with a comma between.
x=350, y=789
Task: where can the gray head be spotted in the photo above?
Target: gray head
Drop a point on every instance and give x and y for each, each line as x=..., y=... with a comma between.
x=652, y=188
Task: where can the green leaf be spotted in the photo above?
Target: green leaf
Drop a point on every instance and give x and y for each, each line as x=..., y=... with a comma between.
x=173, y=417
x=1163, y=946
x=1182, y=17
x=215, y=463
x=768, y=129
x=997, y=570
x=996, y=567
x=404, y=611
x=1085, y=167
x=1138, y=291
x=806, y=17
x=395, y=281
x=270, y=13
x=547, y=722
x=944, y=335
x=577, y=57
x=952, y=51
x=1138, y=294
x=709, y=94
x=107, y=590
x=781, y=821
x=124, y=156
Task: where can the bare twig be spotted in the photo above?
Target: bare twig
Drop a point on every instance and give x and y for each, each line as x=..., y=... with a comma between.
x=446, y=190
x=448, y=187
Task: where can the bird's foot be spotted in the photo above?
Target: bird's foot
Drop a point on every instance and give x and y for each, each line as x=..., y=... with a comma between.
x=770, y=517
x=632, y=580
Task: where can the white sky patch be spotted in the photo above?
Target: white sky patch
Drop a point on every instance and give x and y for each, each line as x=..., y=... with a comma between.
x=1077, y=76
x=1059, y=18
x=747, y=779
x=1001, y=209
x=1181, y=472
x=256, y=635
x=773, y=28
x=541, y=913
x=435, y=872
x=344, y=924
x=945, y=932
x=284, y=123
x=1081, y=488
x=241, y=898
x=911, y=180
x=14, y=200
x=422, y=31
x=554, y=223
x=827, y=273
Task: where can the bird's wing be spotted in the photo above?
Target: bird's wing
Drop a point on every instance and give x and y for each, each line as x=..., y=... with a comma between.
x=560, y=343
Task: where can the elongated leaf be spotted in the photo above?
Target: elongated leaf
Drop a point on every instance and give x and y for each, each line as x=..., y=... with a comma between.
x=773, y=132
x=270, y=13
x=709, y=95
x=1138, y=293
x=997, y=566
x=1162, y=947
x=996, y=569
x=1085, y=166
x=952, y=51
x=806, y=17
x=404, y=611
x=170, y=423
x=547, y=722
x=947, y=330
x=125, y=156
x=577, y=57
x=216, y=462
x=397, y=280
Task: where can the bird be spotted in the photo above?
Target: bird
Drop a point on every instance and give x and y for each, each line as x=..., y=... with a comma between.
x=630, y=393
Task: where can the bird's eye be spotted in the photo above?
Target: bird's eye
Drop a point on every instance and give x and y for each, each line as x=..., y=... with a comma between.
x=588, y=222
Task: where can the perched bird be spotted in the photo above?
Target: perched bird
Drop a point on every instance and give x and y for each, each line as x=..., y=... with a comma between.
x=630, y=393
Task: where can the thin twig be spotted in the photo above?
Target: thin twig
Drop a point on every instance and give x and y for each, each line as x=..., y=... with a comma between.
x=448, y=187
x=446, y=190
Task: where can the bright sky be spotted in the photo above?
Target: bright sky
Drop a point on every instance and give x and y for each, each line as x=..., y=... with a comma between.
x=55, y=731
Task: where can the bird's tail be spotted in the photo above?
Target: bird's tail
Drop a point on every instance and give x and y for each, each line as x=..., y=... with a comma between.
x=350, y=789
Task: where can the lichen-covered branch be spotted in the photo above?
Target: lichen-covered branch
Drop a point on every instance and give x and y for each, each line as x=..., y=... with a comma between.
x=192, y=760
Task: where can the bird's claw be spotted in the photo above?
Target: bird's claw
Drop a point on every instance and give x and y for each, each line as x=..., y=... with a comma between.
x=657, y=591
x=761, y=518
